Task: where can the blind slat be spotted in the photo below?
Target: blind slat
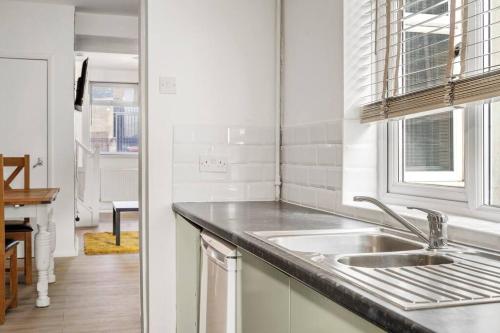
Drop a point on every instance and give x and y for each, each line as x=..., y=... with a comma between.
x=436, y=54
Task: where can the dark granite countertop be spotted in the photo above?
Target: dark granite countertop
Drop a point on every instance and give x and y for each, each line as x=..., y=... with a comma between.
x=230, y=221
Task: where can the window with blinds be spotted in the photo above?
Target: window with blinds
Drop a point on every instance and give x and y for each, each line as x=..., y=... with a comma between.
x=431, y=54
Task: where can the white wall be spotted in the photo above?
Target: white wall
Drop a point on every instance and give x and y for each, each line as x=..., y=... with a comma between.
x=91, y=24
x=222, y=54
x=106, y=33
x=39, y=30
x=312, y=79
x=312, y=103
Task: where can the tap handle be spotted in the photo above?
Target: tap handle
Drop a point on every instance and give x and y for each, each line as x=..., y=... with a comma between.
x=432, y=215
x=438, y=228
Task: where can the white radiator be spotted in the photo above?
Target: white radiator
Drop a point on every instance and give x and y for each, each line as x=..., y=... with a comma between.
x=119, y=184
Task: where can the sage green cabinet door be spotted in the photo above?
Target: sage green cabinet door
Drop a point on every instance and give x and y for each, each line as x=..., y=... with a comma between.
x=187, y=275
x=264, y=297
x=314, y=313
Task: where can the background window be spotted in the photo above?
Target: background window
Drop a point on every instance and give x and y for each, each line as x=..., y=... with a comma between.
x=114, y=117
x=433, y=149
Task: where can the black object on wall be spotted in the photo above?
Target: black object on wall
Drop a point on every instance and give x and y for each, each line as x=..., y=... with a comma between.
x=80, y=86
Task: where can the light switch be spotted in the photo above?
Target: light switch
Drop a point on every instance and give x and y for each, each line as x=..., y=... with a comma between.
x=168, y=85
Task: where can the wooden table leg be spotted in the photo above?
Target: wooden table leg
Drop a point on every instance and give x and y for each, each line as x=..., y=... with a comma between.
x=52, y=231
x=42, y=255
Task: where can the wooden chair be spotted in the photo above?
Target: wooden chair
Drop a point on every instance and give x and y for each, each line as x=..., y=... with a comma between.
x=8, y=250
x=13, y=229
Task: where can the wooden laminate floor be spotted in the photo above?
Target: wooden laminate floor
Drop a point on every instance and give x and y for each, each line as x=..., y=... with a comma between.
x=92, y=294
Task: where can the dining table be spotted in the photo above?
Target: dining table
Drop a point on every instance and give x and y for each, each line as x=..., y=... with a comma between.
x=37, y=205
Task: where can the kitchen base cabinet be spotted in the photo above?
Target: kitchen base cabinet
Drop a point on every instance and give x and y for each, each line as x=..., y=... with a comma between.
x=264, y=297
x=312, y=312
x=268, y=300
x=188, y=254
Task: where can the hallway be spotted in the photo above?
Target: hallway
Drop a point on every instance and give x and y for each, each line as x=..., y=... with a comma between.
x=92, y=294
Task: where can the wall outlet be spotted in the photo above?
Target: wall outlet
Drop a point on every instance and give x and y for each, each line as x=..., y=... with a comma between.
x=213, y=164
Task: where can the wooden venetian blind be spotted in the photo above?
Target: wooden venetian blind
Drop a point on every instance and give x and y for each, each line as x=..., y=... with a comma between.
x=431, y=54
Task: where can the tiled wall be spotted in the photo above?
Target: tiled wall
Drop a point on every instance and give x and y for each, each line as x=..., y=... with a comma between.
x=251, y=163
x=312, y=164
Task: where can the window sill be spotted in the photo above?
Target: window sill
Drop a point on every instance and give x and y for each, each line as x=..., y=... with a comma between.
x=461, y=229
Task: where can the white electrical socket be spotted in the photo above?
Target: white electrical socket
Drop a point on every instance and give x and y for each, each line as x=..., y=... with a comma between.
x=213, y=164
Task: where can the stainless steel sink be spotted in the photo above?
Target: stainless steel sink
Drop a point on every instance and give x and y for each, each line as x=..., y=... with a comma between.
x=335, y=242
x=394, y=260
x=393, y=266
x=345, y=243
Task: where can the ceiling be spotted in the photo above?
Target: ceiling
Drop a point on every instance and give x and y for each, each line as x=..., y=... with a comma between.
x=111, y=7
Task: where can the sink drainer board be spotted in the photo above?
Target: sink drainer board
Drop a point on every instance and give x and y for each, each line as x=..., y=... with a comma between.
x=471, y=278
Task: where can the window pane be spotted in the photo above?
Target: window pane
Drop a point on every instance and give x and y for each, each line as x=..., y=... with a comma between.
x=432, y=149
x=426, y=60
x=115, y=115
x=425, y=48
x=429, y=143
x=435, y=7
x=109, y=95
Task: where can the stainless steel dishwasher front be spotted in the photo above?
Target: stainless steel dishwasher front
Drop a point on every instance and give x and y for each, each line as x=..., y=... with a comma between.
x=219, y=267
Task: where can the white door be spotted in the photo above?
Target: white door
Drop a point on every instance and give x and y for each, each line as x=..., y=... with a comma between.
x=23, y=113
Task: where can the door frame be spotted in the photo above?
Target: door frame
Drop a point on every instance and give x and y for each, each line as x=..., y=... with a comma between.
x=49, y=59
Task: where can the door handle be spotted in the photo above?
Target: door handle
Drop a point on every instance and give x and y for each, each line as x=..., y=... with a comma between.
x=38, y=163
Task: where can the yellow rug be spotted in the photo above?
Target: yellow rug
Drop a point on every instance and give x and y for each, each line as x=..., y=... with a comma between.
x=104, y=243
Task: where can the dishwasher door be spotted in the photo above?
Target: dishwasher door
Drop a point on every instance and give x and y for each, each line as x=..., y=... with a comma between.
x=219, y=265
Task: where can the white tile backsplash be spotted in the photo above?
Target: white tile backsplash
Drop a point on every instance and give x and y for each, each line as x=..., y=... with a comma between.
x=317, y=176
x=311, y=157
x=327, y=154
x=251, y=135
x=311, y=164
x=250, y=152
x=318, y=133
x=200, y=134
x=260, y=191
x=326, y=199
x=334, y=132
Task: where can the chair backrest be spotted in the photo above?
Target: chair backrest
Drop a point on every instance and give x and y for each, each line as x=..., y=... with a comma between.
x=2, y=240
x=20, y=164
x=2, y=205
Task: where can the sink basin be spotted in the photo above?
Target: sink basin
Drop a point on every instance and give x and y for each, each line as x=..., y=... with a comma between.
x=394, y=267
x=394, y=260
x=345, y=243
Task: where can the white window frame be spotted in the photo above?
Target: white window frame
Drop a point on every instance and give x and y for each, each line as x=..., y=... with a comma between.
x=471, y=201
x=91, y=104
x=393, y=140
x=477, y=168
x=395, y=167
